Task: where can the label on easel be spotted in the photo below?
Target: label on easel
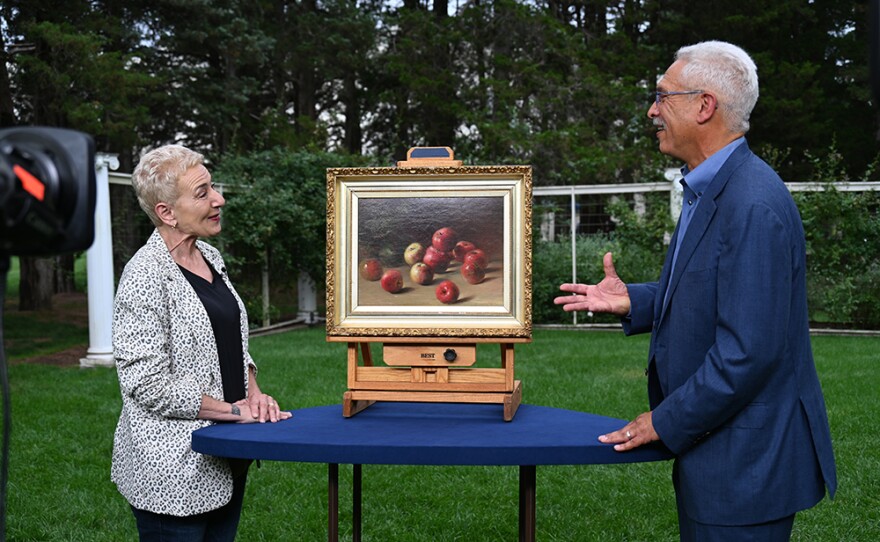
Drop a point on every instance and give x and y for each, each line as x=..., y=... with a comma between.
x=430, y=355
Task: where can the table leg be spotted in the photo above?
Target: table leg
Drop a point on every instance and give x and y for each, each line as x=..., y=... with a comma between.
x=333, y=502
x=356, y=504
x=527, y=483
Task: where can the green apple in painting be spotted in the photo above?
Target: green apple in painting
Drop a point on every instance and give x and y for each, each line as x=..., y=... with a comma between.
x=414, y=253
x=421, y=273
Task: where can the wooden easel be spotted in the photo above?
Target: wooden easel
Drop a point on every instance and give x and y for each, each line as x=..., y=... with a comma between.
x=429, y=369
x=434, y=370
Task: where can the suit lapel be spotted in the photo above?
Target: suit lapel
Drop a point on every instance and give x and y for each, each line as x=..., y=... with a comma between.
x=699, y=224
x=696, y=229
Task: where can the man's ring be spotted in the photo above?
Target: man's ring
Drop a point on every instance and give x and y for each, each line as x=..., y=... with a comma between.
x=629, y=435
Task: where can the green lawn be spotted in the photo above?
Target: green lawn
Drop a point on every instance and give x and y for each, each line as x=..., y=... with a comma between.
x=64, y=417
x=37, y=333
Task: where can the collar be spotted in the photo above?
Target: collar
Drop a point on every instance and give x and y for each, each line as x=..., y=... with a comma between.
x=698, y=179
x=159, y=250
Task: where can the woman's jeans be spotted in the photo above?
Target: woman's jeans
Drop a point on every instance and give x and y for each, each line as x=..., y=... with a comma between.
x=217, y=525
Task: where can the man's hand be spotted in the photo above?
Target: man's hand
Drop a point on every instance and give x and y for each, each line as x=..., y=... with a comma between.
x=632, y=435
x=609, y=296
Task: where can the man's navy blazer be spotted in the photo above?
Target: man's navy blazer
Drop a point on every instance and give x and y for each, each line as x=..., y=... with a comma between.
x=731, y=378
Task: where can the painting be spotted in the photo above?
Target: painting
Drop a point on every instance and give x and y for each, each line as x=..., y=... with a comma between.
x=429, y=251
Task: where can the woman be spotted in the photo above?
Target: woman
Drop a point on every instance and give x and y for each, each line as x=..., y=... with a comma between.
x=181, y=346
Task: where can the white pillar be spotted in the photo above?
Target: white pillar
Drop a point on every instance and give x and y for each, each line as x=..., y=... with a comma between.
x=307, y=298
x=99, y=268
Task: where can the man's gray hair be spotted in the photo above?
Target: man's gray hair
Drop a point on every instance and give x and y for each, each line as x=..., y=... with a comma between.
x=156, y=175
x=729, y=72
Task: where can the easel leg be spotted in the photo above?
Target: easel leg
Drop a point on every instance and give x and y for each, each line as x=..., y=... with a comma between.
x=350, y=406
x=512, y=402
x=527, y=483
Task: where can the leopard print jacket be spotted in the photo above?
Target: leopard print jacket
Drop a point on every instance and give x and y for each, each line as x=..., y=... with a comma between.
x=166, y=359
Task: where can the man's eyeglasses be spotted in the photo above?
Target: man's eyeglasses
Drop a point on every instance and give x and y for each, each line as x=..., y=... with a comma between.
x=658, y=95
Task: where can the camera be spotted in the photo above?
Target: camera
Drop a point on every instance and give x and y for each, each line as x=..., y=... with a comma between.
x=47, y=191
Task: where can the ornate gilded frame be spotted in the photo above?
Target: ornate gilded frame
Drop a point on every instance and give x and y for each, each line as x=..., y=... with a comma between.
x=394, y=205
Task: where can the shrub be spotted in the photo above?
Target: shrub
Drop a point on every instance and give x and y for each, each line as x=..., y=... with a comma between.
x=842, y=232
x=638, y=246
x=843, y=254
x=843, y=274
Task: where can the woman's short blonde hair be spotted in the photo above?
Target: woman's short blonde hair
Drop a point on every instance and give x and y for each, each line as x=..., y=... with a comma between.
x=156, y=175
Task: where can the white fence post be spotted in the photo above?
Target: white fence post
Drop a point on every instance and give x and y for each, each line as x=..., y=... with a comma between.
x=575, y=218
x=673, y=175
x=307, y=298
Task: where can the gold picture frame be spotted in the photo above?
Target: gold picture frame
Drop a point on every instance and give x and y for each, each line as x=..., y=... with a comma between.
x=376, y=213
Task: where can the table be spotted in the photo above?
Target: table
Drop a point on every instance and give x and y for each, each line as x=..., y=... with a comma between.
x=389, y=433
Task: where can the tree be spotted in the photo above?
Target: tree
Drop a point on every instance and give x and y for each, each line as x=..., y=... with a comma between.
x=811, y=62
x=276, y=212
x=63, y=75
x=211, y=55
x=538, y=92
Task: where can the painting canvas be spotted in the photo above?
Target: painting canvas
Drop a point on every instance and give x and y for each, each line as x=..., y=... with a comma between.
x=429, y=251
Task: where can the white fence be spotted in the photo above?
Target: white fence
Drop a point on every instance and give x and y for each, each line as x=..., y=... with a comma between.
x=602, y=222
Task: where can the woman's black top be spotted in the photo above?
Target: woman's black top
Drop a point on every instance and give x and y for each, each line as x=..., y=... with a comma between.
x=225, y=317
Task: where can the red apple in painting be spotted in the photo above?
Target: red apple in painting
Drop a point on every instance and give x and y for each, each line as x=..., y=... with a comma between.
x=414, y=253
x=478, y=257
x=473, y=273
x=447, y=292
x=392, y=281
x=444, y=239
x=438, y=261
x=371, y=269
x=462, y=248
x=421, y=273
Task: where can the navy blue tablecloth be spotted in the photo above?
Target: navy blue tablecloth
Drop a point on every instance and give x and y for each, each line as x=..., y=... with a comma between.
x=427, y=434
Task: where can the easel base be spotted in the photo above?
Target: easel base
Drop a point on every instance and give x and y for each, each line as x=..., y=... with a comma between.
x=357, y=400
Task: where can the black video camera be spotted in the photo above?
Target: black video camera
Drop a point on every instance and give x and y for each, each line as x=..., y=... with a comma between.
x=47, y=191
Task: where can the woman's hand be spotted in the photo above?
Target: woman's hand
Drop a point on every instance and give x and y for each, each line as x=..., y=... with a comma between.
x=262, y=407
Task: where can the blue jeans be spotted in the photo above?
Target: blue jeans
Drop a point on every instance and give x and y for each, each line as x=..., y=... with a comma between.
x=217, y=525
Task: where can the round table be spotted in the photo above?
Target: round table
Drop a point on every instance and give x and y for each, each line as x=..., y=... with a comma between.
x=389, y=433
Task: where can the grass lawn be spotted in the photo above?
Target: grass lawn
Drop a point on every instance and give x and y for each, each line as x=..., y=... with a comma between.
x=64, y=417
x=41, y=333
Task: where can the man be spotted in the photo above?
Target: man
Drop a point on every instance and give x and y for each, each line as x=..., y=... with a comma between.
x=732, y=384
